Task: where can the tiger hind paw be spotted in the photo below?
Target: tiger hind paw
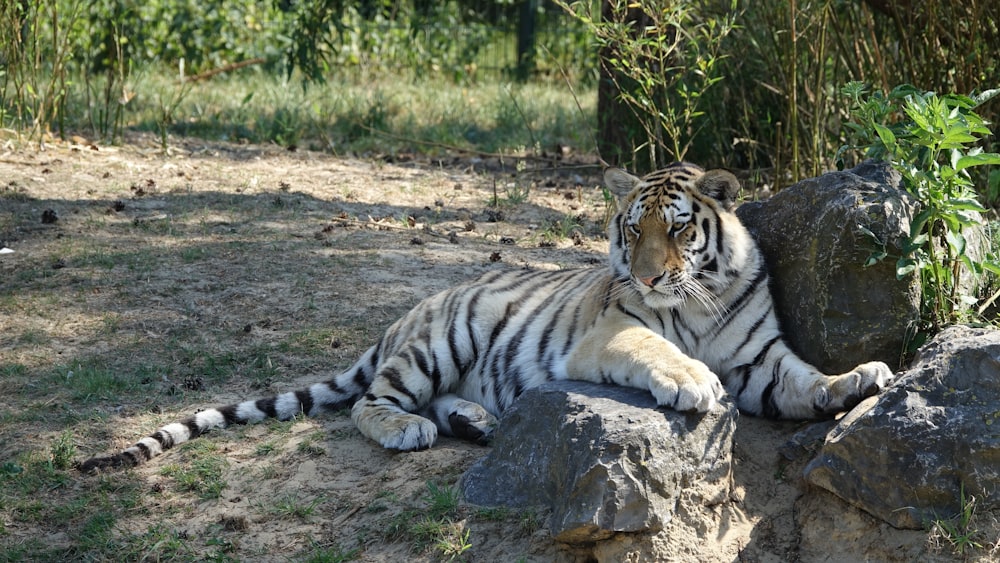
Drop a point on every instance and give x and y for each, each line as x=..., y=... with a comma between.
x=849, y=389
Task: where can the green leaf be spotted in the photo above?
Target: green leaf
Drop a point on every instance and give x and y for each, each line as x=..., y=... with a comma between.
x=965, y=204
x=921, y=122
x=905, y=267
x=991, y=266
x=903, y=91
x=989, y=158
x=985, y=96
x=917, y=225
x=957, y=138
x=875, y=258
x=993, y=185
x=956, y=241
x=10, y=468
x=861, y=229
x=886, y=135
x=914, y=243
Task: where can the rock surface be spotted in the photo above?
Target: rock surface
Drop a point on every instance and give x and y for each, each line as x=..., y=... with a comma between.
x=908, y=455
x=602, y=459
x=836, y=312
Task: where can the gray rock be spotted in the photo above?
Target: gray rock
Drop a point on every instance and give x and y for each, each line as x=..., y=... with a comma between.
x=602, y=459
x=837, y=313
x=907, y=455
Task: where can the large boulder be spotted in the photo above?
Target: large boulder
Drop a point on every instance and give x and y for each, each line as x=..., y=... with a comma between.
x=602, y=459
x=836, y=312
x=909, y=455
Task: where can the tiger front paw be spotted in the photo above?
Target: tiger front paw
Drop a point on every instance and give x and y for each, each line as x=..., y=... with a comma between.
x=849, y=389
x=693, y=388
x=393, y=429
x=408, y=432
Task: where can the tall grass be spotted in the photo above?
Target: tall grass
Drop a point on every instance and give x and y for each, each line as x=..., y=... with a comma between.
x=33, y=78
x=100, y=69
x=366, y=113
x=779, y=105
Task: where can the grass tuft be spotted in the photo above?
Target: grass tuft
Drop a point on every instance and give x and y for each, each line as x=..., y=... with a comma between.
x=291, y=505
x=959, y=531
x=63, y=450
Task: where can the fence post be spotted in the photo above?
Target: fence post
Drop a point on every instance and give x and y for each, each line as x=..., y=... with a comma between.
x=526, y=39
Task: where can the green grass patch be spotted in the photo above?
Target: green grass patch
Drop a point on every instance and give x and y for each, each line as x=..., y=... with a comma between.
x=97, y=532
x=200, y=470
x=88, y=382
x=158, y=543
x=311, y=445
x=265, y=449
x=33, y=337
x=62, y=450
x=432, y=524
x=494, y=513
x=9, y=371
x=355, y=113
x=329, y=554
x=32, y=473
x=291, y=505
x=312, y=341
x=442, y=501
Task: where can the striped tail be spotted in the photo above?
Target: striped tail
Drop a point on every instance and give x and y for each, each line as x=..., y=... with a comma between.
x=330, y=395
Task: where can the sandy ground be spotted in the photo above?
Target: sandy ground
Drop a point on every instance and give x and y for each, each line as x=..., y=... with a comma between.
x=290, y=265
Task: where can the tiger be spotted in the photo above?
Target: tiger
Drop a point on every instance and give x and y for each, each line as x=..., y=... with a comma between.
x=681, y=310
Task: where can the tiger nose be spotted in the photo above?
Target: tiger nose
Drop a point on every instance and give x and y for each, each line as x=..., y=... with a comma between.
x=651, y=280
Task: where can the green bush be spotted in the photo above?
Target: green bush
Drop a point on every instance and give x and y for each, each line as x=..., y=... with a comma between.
x=931, y=140
x=662, y=59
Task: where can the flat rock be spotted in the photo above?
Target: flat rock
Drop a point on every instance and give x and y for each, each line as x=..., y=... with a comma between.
x=909, y=455
x=602, y=459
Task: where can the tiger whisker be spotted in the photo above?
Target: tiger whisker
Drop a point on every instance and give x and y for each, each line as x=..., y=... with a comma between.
x=697, y=291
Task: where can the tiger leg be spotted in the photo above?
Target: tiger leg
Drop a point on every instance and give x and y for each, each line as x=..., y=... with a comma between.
x=779, y=384
x=385, y=413
x=457, y=417
x=638, y=357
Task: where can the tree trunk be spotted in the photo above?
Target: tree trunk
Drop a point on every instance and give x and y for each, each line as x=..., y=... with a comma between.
x=621, y=138
x=617, y=126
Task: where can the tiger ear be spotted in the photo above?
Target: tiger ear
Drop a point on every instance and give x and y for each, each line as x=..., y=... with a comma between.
x=721, y=186
x=619, y=181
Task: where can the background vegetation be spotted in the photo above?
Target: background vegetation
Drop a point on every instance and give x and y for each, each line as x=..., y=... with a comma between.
x=722, y=82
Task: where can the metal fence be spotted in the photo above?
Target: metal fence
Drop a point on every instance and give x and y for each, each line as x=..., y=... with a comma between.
x=519, y=39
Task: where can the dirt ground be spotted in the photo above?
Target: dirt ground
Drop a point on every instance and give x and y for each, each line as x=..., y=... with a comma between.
x=219, y=272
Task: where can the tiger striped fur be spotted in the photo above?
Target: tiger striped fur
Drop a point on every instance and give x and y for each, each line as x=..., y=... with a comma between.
x=683, y=311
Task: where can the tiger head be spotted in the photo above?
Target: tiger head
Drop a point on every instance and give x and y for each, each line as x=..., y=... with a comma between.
x=674, y=237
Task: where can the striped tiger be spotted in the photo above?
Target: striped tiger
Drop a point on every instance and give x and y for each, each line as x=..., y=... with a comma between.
x=682, y=310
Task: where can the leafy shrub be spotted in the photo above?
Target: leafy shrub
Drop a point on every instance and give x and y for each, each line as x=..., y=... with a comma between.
x=662, y=59
x=931, y=140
